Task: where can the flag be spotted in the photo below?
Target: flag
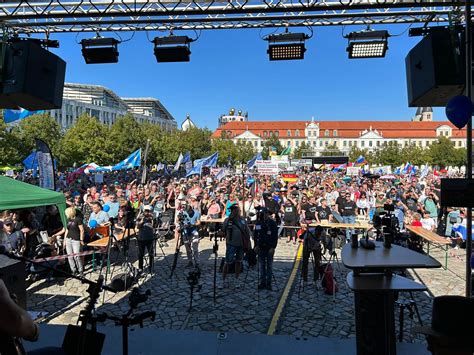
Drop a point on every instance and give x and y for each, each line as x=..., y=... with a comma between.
x=340, y=167
x=220, y=175
x=407, y=168
x=210, y=161
x=132, y=161
x=178, y=162
x=286, y=151
x=160, y=167
x=196, y=170
x=15, y=115
x=186, y=158
x=272, y=151
x=360, y=160
x=251, y=162
x=397, y=171
x=424, y=172
x=188, y=165
x=45, y=165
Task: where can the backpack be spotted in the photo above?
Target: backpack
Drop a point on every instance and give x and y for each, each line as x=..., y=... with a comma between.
x=327, y=280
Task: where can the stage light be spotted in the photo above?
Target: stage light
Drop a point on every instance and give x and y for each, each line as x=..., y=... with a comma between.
x=172, y=49
x=100, y=50
x=367, y=44
x=290, y=46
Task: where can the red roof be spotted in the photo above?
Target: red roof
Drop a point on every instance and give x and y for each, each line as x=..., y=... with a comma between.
x=345, y=129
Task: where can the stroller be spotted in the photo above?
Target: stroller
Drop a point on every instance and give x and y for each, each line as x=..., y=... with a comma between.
x=164, y=232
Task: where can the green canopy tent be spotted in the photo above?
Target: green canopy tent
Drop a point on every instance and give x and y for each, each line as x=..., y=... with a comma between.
x=16, y=194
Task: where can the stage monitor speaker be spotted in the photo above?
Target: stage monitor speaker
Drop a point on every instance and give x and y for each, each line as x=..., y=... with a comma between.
x=12, y=272
x=457, y=193
x=435, y=69
x=33, y=78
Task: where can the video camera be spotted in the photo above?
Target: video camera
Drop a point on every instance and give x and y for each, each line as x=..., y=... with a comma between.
x=387, y=226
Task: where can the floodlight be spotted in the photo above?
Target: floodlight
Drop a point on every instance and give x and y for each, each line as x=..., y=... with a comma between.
x=367, y=44
x=100, y=50
x=290, y=46
x=172, y=49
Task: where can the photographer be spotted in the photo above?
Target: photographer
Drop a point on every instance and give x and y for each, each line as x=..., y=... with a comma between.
x=146, y=225
x=266, y=240
x=237, y=240
x=312, y=246
x=188, y=221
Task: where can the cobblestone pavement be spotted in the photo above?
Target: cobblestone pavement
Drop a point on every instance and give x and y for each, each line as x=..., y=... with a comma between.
x=308, y=312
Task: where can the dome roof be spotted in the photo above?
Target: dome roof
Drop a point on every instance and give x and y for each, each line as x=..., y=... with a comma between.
x=427, y=109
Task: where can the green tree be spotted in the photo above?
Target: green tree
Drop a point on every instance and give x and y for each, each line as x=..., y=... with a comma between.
x=124, y=136
x=443, y=153
x=331, y=151
x=155, y=134
x=356, y=152
x=273, y=141
x=389, y=154
x=86, y=142
x=41, y=126
x=197, y=141
x=226, y=149
x=414, y=154
x=9, y=146
x=245, y=151
x=298, y=152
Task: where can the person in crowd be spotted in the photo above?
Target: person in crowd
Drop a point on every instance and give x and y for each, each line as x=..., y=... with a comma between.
x=74, y=239
x=324, y=212
x=348, y=213
x=146, y=225
x=290, y=219
x=363, y=204
x=427, y=222
x=190, y=235
x=12, y=240
x=98, y=214
x=237, y=234
x=114, y=206
x=266, y=240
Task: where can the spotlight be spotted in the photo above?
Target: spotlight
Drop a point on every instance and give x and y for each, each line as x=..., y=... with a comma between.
x=290, y=47
x=172, y=49
x=100, y=50
x=367, y=44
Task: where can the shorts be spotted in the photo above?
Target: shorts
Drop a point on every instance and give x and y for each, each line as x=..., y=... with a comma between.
x=233, y=253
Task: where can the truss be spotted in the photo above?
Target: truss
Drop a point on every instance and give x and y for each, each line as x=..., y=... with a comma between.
x=33, y=16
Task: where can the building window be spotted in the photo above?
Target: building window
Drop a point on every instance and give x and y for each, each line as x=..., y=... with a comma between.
x=289, y=143
x=326, y=133
x=350, y=143
x=297, y=143
x=334, y=133
x=288, y=133
x=276, y=133
x=314, y=143
x=297, y=133
x=344, y=143
x=255, y=144
x=370, y=143
x=264, y=134
x=320, y=143
x=378, y=144
x=362, y=143
x=326, y=143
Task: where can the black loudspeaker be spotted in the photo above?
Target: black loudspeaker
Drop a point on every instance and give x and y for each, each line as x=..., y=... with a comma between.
x=33, y=78
x=12, y=272
x=457, y=193
x=435, y=69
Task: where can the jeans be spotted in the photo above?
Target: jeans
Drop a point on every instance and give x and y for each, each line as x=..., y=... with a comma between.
x=350, y=220
x=192, y=246
x=265, y=266
x=148, y=244
x=75, y=262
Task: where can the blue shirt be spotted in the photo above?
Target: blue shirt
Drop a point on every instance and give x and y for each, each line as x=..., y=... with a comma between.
x=114, y=208
x=101, y=217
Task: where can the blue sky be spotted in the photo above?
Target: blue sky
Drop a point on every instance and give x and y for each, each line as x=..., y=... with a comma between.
x=231, y=69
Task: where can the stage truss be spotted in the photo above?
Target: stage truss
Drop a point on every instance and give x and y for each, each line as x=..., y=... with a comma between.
x=55, y=16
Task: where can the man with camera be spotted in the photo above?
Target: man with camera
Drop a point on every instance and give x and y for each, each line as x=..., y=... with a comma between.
x=188, y=220
x=266, y=240
x=146, y=225
x=237, y=235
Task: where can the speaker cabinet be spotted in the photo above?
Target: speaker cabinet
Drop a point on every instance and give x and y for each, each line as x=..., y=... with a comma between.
x=33, y=77
x=435, y=69
x=12, y=272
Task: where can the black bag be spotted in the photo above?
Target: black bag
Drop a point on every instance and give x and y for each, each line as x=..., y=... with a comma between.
x=251, y=256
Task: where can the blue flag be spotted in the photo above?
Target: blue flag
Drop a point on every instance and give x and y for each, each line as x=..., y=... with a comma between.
x=196, y=170
x=130, y=162
x=360, y=160
x=15, y=115
x=251, y=162
x=210, y=161
x=186, y=158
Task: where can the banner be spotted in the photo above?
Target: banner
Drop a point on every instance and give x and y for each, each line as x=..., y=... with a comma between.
x=45, y=165
x=352, y=170
x=267, y=167
x=290, y=177
x=15, y=115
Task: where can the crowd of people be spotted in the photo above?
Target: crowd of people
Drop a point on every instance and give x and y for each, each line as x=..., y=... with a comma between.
x=317, y=197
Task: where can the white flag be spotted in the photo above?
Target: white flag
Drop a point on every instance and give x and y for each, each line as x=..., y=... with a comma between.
x=178, y=162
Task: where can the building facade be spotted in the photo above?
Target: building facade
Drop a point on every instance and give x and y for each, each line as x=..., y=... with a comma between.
x=343, y=135
x=106, y=106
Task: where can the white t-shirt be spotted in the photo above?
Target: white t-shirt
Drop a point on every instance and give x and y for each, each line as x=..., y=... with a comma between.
x=428, y=223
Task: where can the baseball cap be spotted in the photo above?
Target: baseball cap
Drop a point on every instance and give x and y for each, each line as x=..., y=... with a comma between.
x=148, y=208
x=8, y=221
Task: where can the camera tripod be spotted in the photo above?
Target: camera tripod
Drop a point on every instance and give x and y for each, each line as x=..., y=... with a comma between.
x=409, y=304
x=126, y=320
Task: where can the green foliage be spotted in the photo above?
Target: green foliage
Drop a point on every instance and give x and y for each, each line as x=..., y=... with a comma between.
x=331, y=151
x=41, y=126
x=155, y=134
x=226, y=149
x=298, y=152
x=9, y=146
x=356, y=152
x=86, y=142
x=443, y=153
x=389, y=154
x=124, y=136
x=245, y=151
x=271, y=142
x=195, y=140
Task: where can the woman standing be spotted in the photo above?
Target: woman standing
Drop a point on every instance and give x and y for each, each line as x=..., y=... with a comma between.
x=74, y=239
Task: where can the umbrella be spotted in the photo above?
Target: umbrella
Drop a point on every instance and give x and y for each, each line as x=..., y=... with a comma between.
x=388, y=177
